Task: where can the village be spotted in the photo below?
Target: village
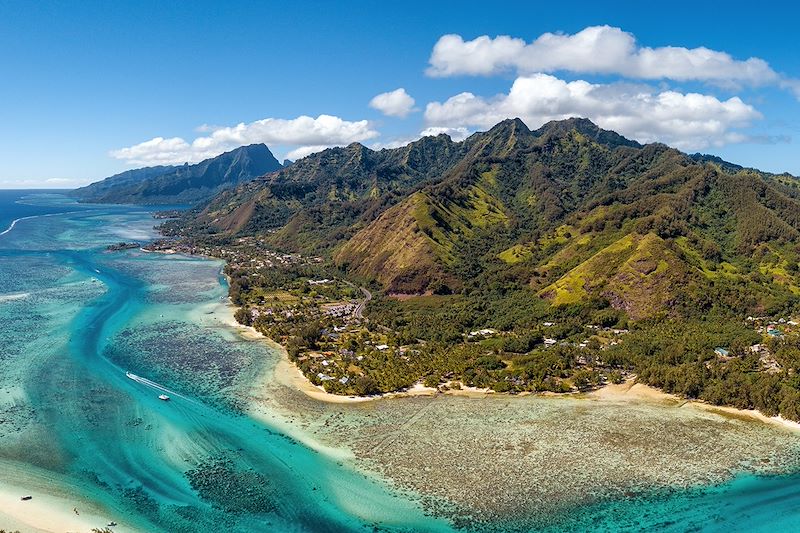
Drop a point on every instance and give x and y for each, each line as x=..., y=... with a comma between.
x=243, y=253
x=319, y=317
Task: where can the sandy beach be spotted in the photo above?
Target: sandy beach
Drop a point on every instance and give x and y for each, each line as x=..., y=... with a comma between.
x=637, y=392
x=51, y=509
x=444, y=446
x=287, y=373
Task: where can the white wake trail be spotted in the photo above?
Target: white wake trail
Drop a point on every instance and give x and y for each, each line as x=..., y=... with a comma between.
x=154, y=385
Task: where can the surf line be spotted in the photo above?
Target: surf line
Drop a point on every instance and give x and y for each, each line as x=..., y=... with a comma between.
x=14, y=222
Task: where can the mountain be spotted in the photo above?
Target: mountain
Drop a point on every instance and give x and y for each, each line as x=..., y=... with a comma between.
x=187, y=184
x=570, y=212
x=129, y=178
x=315, y=198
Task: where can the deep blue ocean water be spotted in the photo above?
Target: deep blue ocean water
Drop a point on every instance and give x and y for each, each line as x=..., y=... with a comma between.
x=74, y=318
x=20, y=204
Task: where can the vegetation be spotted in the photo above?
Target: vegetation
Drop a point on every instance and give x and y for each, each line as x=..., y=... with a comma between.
x=558, y=259
x=182, y=184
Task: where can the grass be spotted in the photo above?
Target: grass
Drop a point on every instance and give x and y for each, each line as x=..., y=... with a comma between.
x=640, y=270
x=516, y=254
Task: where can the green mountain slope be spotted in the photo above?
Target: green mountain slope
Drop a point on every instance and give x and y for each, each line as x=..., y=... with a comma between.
x=570, y=213
x=129, y=178
x=187, y=184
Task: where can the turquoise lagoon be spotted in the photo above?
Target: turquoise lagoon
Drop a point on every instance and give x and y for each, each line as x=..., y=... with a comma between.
x=74, y=318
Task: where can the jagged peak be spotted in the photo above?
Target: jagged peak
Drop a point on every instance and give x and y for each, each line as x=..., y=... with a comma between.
x=587, y=128
x=357, y=147
x=255, y=147
x=513, y=125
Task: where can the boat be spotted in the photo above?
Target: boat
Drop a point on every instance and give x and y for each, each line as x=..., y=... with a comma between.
x=130, y=376
x=112, y=524
x=26, y=498
x=163, y=397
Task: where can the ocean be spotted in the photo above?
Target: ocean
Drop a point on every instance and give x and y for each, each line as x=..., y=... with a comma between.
x=18, y=204
x=89, y=339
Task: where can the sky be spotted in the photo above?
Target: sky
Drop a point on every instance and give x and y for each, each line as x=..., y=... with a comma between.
x=89, y=89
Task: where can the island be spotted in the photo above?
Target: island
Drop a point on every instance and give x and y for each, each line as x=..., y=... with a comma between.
x=122, y=246
x=551, y=261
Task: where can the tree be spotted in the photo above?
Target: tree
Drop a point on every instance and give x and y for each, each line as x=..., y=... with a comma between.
x=365, y=386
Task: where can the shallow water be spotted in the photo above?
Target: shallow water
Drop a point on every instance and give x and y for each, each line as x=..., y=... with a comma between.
x=75, y=318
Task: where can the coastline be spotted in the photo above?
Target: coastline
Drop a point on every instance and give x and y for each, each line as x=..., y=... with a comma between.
x=630, y=391
x=51, y=508
x=288, y=374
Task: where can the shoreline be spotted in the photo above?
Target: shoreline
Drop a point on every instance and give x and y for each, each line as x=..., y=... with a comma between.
x=288, y=374
x=52, y=508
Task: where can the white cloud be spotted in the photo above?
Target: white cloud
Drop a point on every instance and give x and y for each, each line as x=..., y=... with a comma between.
x=397, y=103
x=457, y=134
x=688, y=121
x=303, y=151
x=595, y=50
x=306, y=134
x=792, y=85
x=156, y=151
x=395, y=143
x=45, y=183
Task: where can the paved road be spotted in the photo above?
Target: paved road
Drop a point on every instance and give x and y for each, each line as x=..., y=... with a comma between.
x=359, y=311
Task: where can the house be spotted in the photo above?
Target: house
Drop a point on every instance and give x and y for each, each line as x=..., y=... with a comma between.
x=382, y=347
x=722, y=352
x=482, y=333
x=549, y=342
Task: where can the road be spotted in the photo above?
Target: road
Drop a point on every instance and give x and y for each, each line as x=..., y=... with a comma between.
x=359, y=310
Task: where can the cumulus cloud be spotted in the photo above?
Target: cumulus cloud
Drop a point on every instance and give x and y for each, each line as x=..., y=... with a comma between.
x=397, y=103
x=303, y=151
x=457, y=134
x=792, y=85
x=394, y=143
x=306, y=134
x=594, y=50
x=688, y=121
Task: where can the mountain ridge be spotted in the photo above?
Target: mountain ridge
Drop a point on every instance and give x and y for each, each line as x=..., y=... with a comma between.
x=535, y=205
x=186, y=183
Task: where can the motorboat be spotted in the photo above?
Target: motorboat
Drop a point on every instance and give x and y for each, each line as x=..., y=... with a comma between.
x=163, y=397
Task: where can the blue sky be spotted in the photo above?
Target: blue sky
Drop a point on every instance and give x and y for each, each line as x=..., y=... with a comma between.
x=87, y=86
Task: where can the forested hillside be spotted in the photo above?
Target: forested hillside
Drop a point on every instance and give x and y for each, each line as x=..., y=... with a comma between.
x=186, y=184
x=569, y=225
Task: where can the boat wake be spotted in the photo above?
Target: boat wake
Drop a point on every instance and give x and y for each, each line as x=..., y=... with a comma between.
x=12, y=297
x=156, y=386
